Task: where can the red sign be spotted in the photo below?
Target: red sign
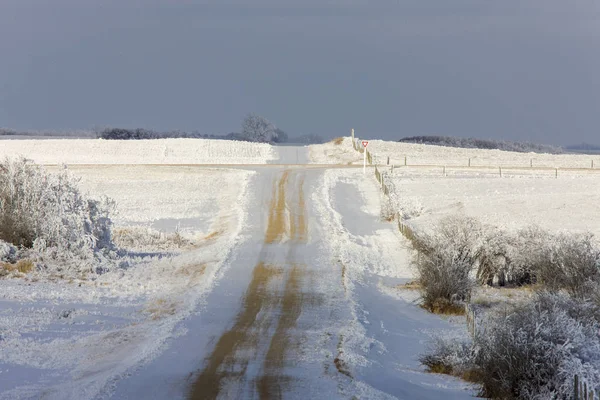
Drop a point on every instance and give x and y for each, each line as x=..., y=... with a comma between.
x=365, y=143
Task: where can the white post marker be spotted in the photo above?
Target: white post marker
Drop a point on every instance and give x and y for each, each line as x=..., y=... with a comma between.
x=365, y=143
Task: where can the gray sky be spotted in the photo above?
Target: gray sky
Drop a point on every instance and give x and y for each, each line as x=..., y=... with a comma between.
x=508, y=69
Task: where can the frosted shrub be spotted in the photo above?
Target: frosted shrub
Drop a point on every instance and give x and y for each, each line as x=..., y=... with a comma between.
x=8, y=252
x=387, y=211
x=527, y=254
x=449, y=353
x=47, y=214
x=492, y=263
x=534, y=352
x=445, y=261
x=572, y=263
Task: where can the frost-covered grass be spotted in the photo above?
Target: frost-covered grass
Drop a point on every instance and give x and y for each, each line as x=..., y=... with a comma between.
x=158, y=151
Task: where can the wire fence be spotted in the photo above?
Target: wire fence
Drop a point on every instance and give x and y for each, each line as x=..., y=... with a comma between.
x=467, y=165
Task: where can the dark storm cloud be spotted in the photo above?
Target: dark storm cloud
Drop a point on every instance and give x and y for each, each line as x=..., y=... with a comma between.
x=507, y=69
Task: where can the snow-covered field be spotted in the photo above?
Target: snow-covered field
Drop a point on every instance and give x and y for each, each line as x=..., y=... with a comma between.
x=513, y=200
x=421, y=154
x=568, y=203
x=70, y=339
x=163, y=151
x=184, y=228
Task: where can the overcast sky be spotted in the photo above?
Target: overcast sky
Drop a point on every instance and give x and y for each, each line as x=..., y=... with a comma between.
x=507, y=69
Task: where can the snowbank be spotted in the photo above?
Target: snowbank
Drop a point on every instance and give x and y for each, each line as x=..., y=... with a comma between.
x=373, y=256
x=159, y=151
x=331, y=153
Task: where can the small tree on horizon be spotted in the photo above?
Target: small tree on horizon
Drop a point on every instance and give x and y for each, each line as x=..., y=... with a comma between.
x=259, y=129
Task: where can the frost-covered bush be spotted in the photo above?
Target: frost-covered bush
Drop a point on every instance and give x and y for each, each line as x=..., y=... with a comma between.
x=449, y=353
x=526, y=254
x=572, y=263
x=492, y=265
x=8, y=252
x=568, y=262
x=48, y=215
x=387, y=211
x=445, y=260
x=534, y=352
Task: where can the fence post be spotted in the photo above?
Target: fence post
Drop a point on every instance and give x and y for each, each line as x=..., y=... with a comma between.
x=592, y=164
x=576, y=388
x=531, y=162
x=556, y=173
x=500, y=169
x=469, y=162
x=388, y=162
x=405, y=161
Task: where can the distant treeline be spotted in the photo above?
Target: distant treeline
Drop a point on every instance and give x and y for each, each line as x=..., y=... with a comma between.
x=74, y=133
x=472, y=143
x=140, y=134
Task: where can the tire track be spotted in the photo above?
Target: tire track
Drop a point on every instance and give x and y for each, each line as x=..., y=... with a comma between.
x=224, y=362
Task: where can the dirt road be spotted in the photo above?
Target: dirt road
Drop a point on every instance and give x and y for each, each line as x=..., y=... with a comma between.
x=265, y=305
x=298, y=311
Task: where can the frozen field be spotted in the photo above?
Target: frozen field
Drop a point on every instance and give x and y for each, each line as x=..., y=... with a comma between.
x=511, y=198
x=421, y=154
x=163, y=151
x=163, y=196
x=568, y=203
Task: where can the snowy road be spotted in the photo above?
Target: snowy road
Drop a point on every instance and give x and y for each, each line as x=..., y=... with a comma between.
x=300, y=311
